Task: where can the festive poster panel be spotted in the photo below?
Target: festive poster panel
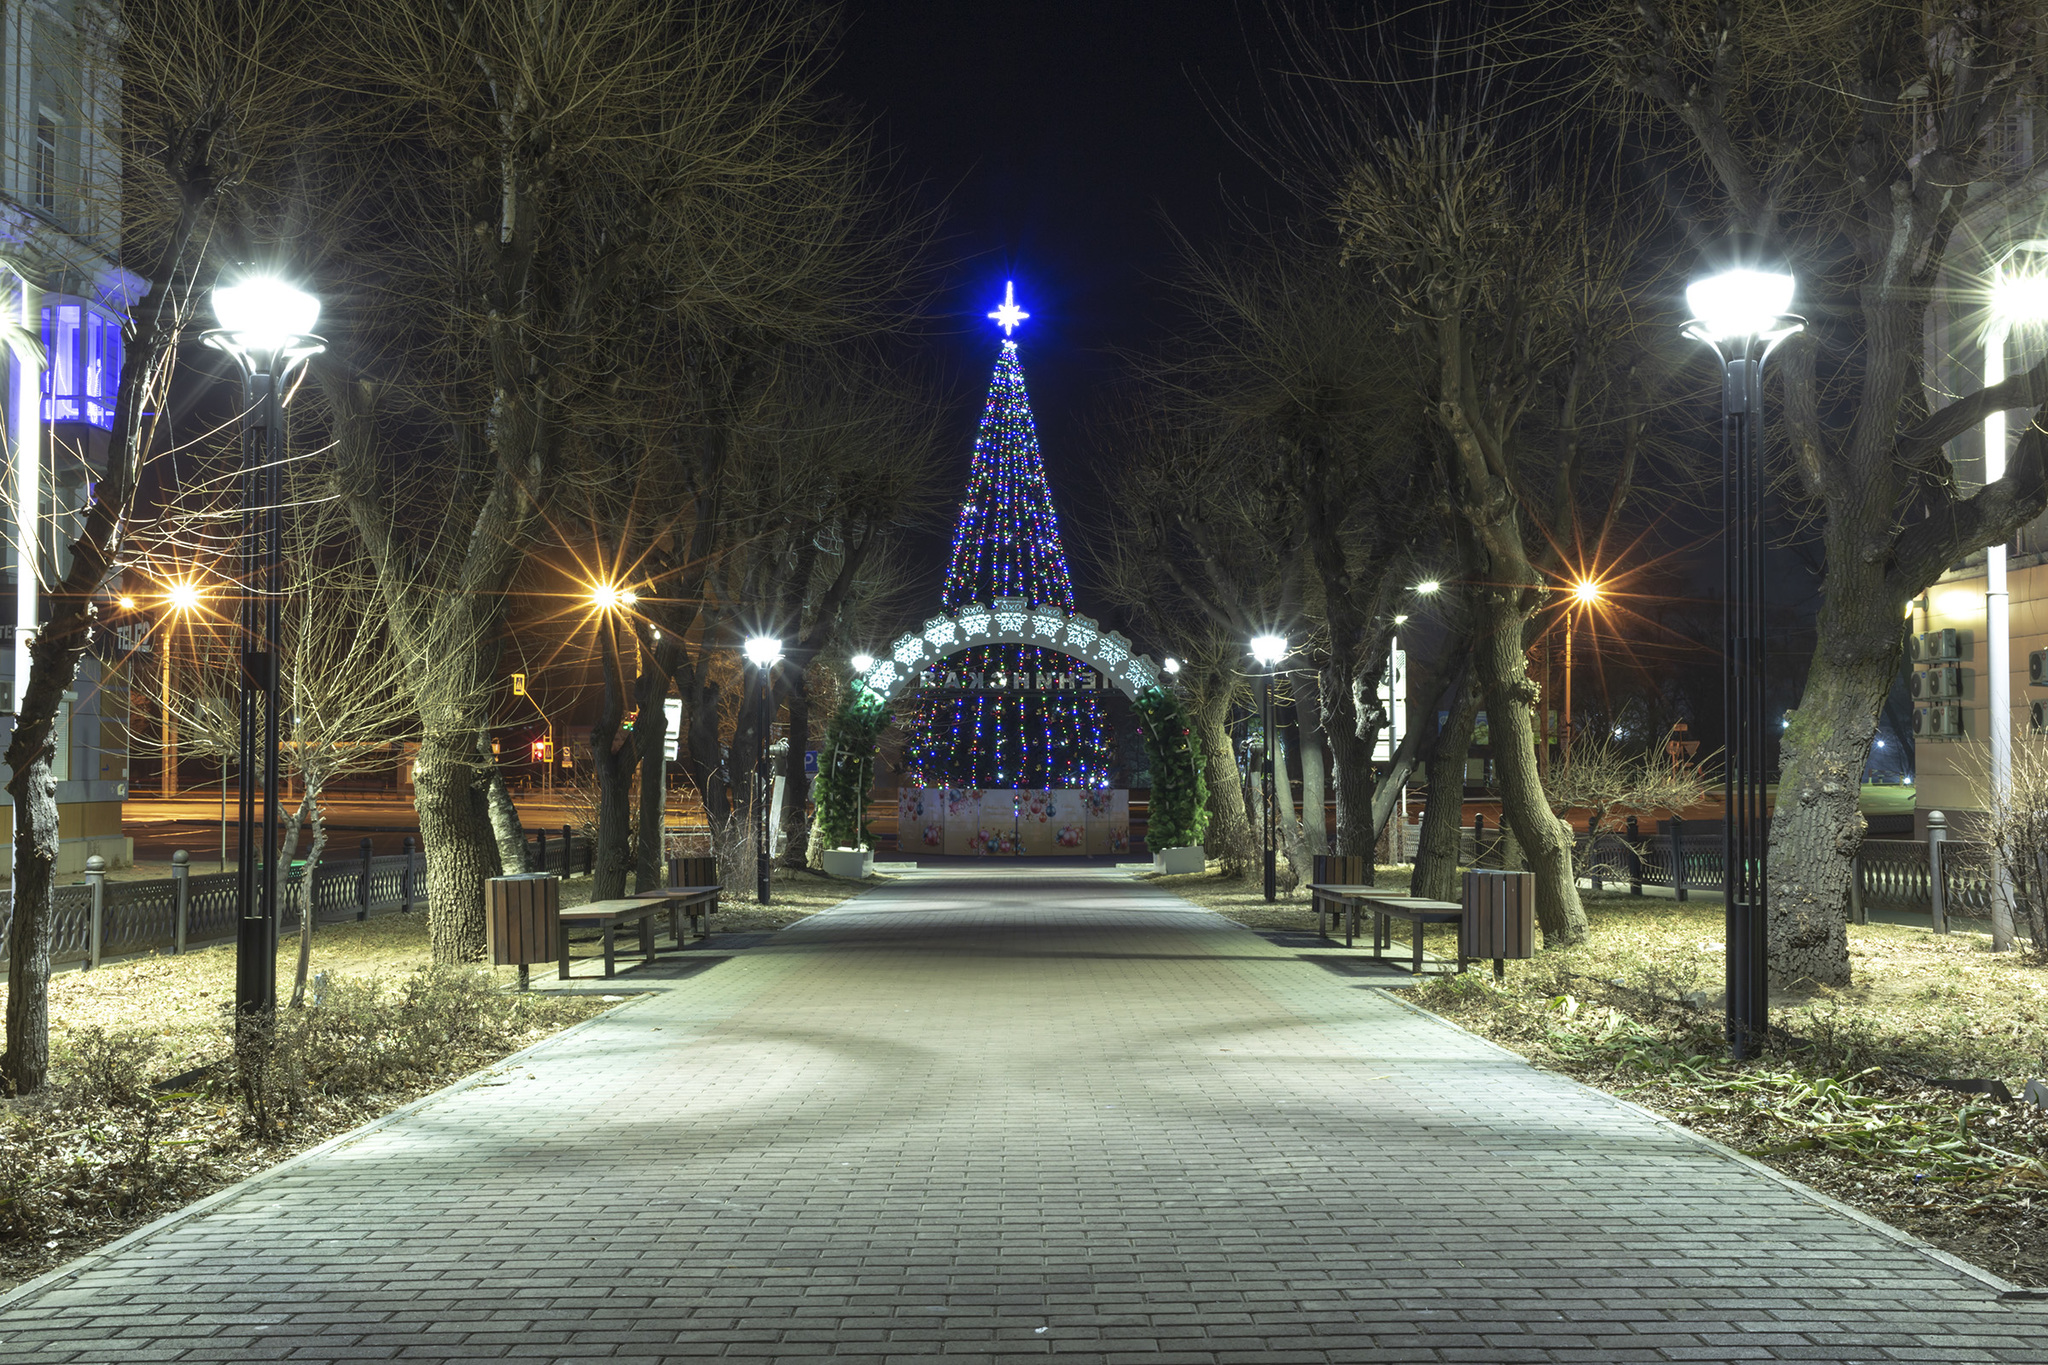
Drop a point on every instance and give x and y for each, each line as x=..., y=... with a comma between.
x=1109, y=822
x=997, y=835
x=930, y=834
x=1068, y=817
x=1034, y=833
x=909, y=817
x=962, y=819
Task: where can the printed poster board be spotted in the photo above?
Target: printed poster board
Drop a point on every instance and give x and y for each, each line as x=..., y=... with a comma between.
x=920, y=820
x=1109, y=822
x=997, y=832
x=1051, y=822
x=960, y=818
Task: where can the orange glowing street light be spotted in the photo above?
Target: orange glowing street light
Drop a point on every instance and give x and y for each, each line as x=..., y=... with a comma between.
x=183, y=599
x=611, y=597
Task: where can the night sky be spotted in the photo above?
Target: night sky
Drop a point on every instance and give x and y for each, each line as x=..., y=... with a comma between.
x=1062, y=139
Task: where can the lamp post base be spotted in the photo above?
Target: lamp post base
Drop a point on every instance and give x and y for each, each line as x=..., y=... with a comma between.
x=1272, y=875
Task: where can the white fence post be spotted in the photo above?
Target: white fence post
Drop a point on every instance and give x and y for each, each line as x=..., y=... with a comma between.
x=1937, y=835
x=96, y=877
x=181, y=895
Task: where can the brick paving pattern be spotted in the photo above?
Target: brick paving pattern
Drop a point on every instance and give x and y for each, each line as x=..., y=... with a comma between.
x=995, y=1116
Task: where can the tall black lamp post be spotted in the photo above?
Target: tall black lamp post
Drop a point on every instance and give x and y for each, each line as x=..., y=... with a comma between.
x=762, y=652
x=1739, y=300
x=266, y=325
x=1269, y=650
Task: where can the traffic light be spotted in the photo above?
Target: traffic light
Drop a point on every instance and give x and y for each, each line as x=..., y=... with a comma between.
x=540, y=751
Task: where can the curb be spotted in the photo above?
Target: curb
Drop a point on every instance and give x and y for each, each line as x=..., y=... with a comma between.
x=28, y=1289
x=2003, y=1288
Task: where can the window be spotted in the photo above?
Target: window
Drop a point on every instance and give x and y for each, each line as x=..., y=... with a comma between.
x=84, y=375
x=45, y=188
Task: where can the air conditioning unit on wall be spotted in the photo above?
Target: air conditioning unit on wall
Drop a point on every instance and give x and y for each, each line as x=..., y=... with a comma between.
x=1943, y=681
x=2037, y=668
x=1943, y=721
x=2037, y=717
x=1936, y=646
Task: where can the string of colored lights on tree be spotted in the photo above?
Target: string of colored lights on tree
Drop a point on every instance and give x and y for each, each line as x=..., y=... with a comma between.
x=1006, y=543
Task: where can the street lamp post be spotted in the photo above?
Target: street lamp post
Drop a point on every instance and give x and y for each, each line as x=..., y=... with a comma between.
x=183, y=599
x=1739, y=303
x=266, y=326
x=762, y=652
x=1269, y=650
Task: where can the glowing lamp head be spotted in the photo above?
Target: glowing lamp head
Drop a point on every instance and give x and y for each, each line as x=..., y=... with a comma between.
x=126, y=604
x=611, y=597
x=1741, y=290
x=1401, y=618
x=763, y=650
x=1172, y=665
x=1586, y=593
x=263, y=314
x=2019, y=288
x=863, y=662
x=1269, y=649
x=182, y=596
x=1429, y=587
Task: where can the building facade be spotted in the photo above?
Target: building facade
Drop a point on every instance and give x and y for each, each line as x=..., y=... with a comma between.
x=62, y=301
x=1983, y=329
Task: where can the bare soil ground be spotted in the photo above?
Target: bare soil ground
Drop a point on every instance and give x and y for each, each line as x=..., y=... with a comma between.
x=1843, y=1100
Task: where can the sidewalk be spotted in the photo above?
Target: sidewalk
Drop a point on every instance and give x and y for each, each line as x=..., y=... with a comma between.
x=1014, y=1114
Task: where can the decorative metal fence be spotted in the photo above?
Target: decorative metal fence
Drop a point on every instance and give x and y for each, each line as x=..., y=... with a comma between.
x=97, y=918
x=1892, y=875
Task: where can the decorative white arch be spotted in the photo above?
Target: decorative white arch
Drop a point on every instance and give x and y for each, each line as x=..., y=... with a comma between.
x=1012, y=621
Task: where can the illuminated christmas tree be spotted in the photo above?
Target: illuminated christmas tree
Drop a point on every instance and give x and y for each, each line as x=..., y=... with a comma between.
x=1008, y=715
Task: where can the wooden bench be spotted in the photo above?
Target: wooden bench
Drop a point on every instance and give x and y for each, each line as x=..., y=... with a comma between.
x=608, y=916
x=1385, y=906
x=1346, y=899
x=696, y=902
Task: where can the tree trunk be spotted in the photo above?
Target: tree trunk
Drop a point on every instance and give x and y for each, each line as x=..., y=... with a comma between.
x=1229, y=835
x=462, y=849
x=614, y=757
x=1350, y=764
x=1293, y=841
x=34, y=789
x=795, y=837
x=309, y=913
x=505, y=826
x=650, y=734
x=1436, y=859
x=1310, y=729
x=1818, y=826
x=1501, y=662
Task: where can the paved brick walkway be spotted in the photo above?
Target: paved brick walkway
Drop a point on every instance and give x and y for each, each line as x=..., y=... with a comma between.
x=1016, y=1116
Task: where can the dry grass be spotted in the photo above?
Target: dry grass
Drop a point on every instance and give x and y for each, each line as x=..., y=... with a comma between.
x=1841, y=1101
x=109, y=1146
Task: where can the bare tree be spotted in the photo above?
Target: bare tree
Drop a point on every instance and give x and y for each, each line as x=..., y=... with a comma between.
x=1864, y=140
x=203, y=115
x=1611, y=779
x=1516, y=299
x=2017, y=830
x=556, y=193
x=344, y=711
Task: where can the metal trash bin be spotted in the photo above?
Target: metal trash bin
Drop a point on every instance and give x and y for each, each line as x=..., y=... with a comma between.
x=1500, y=917
x=523, y=920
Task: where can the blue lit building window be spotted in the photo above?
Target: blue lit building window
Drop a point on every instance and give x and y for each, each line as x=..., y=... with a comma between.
x=84, y=374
